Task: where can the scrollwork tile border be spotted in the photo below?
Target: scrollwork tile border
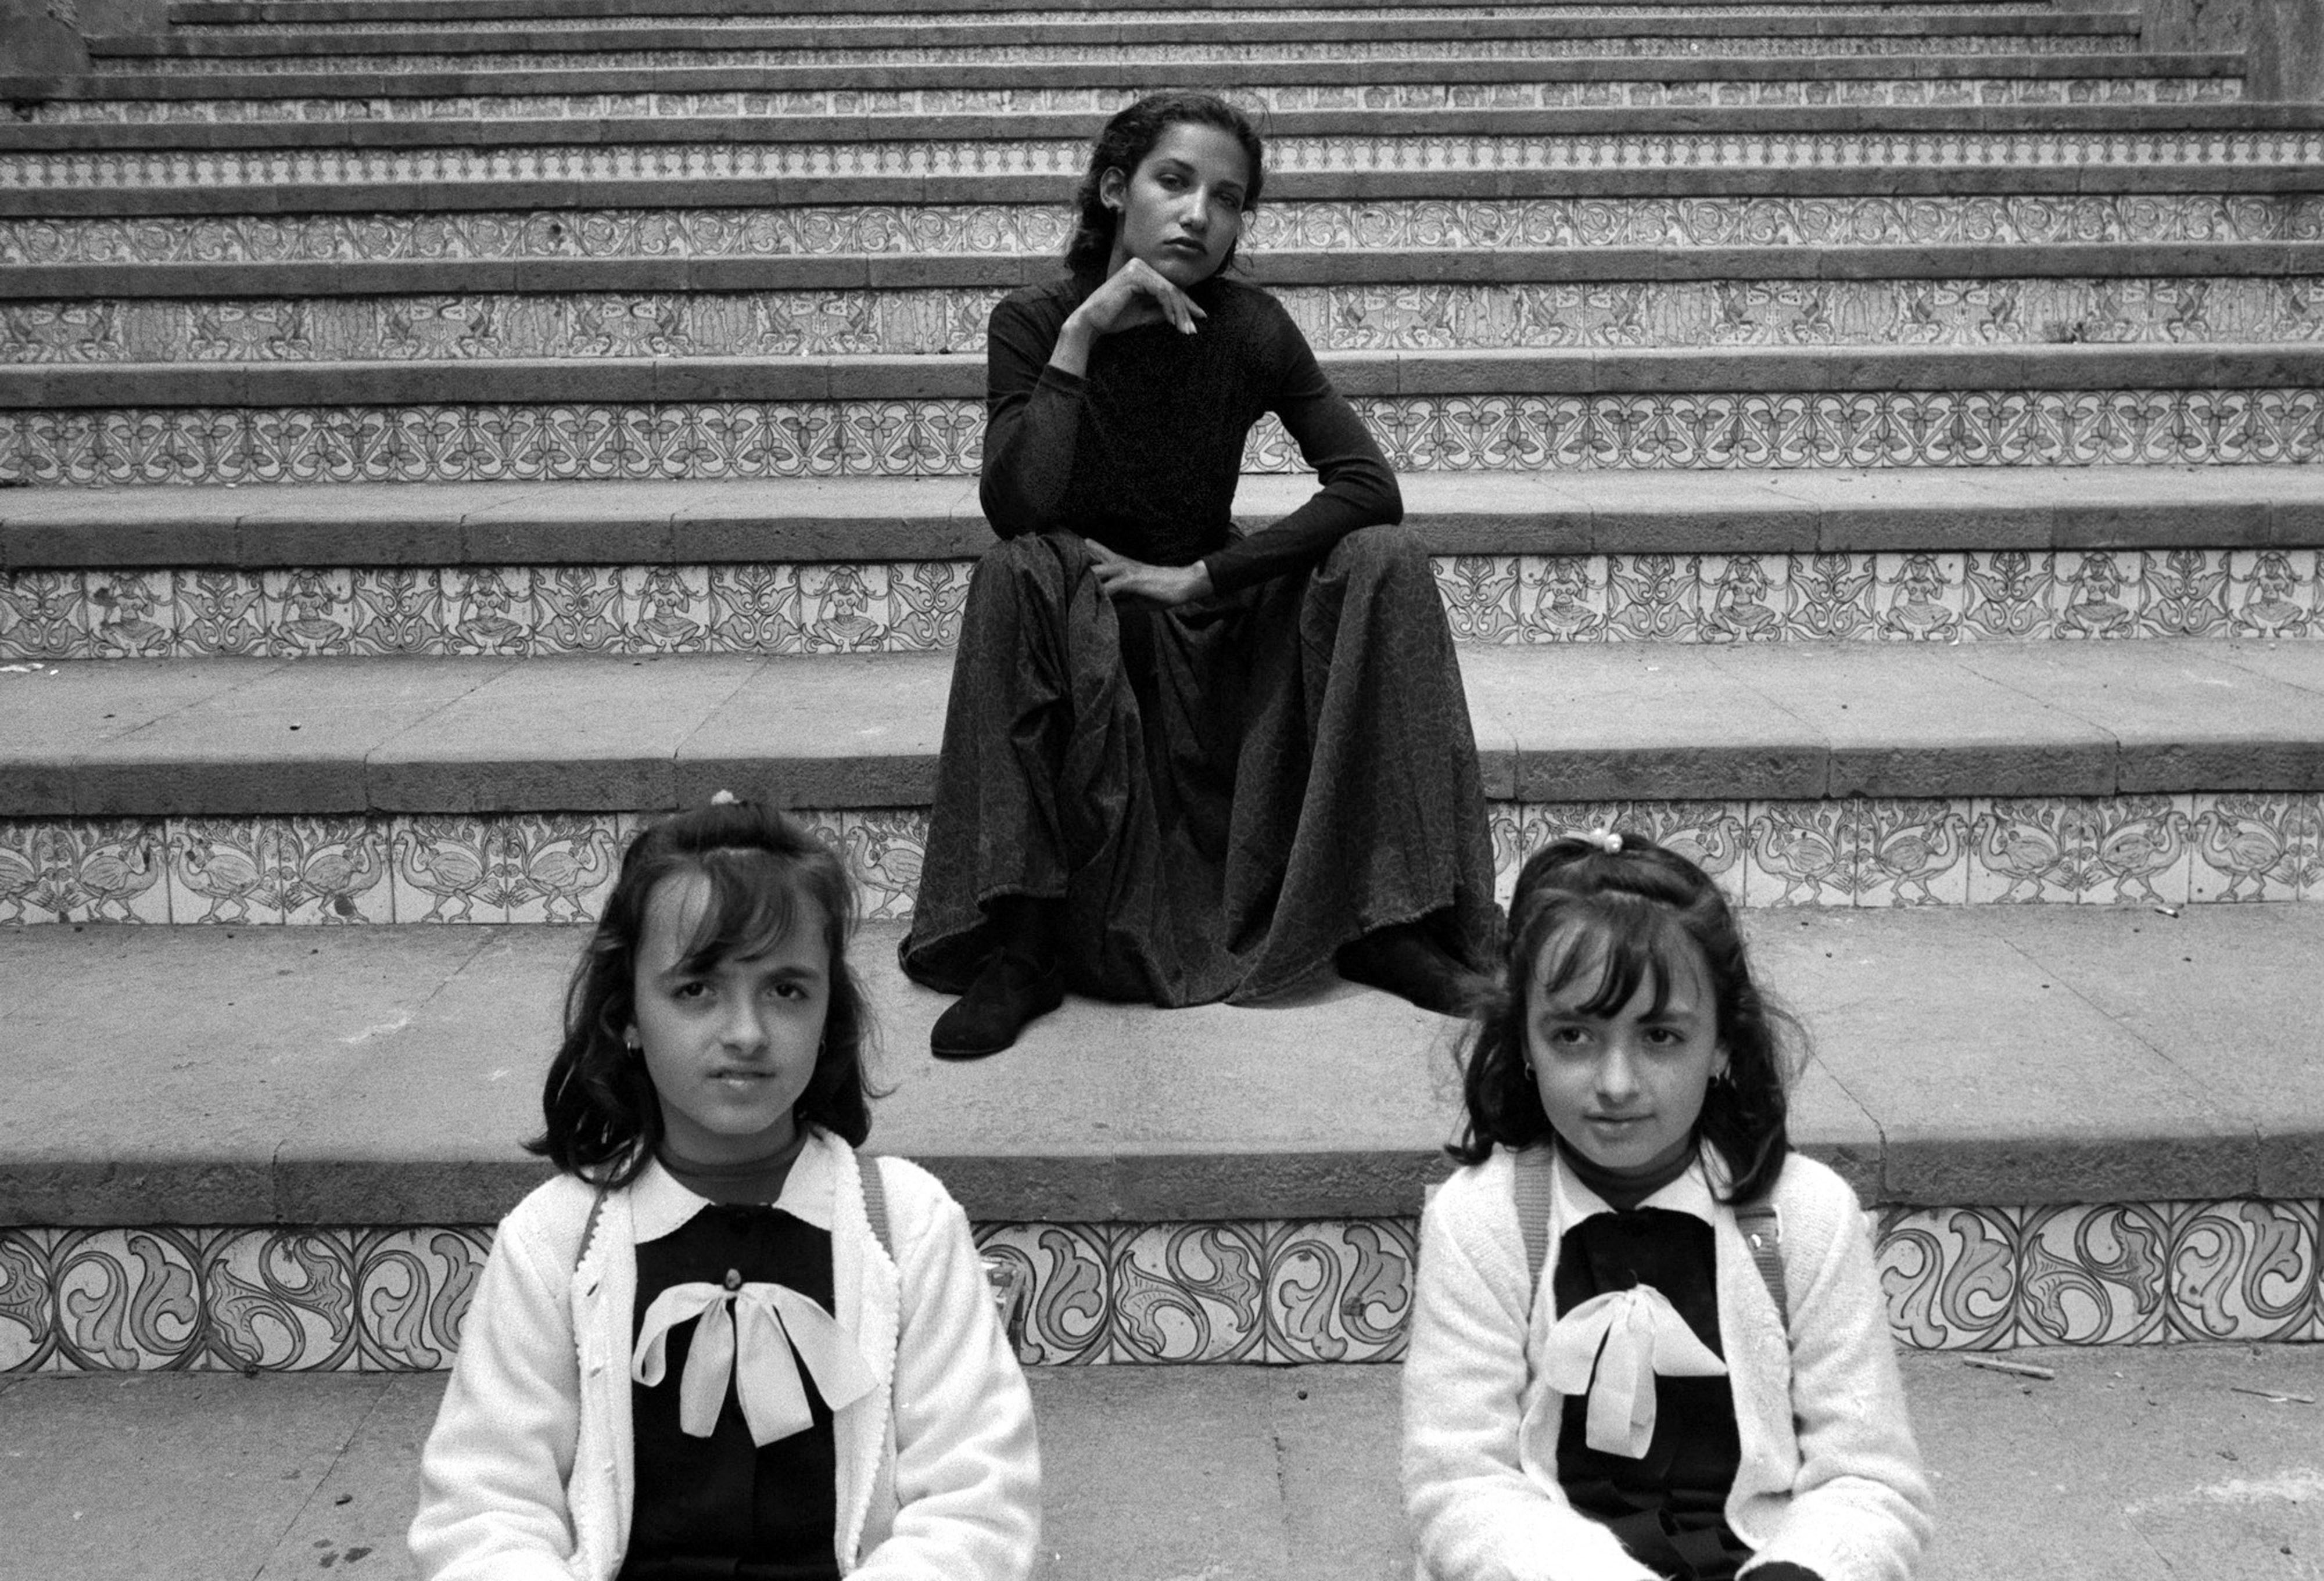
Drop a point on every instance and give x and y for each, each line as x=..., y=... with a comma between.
x=1277, y=1290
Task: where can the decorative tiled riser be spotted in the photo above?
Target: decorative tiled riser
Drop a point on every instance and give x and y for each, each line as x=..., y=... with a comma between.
x=2195, y=849
x=1065, y=157
x=1069, y=100
x=912, y=606
x=392, y=1300
x=945, y=437
x=1614, y=315
x=1228, y=55
x=1015, y=230
x=870, y=17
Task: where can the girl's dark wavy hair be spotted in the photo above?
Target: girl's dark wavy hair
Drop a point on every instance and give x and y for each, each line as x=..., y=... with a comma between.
x=1628, y=910
x=604, y=1118
x=1123, y=146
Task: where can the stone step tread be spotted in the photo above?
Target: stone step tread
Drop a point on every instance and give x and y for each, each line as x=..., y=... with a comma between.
x=1529, y=372
x=1368, y=73
x=618, y=126
x=234, y=737
x=853, y=520
x=1192, y=28
x=899, y=272
x=1968, y=1055
x=213, y=12
x=1257, y=1474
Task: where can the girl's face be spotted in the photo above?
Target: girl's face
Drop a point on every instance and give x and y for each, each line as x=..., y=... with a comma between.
x=1181, y=210
x=1624, y=1089
x=731, y=1047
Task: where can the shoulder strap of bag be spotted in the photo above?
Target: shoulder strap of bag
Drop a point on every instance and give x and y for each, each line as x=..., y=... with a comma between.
x=1529, y=1184
x=1762, y=1232
x=589, y=1226
x=875, y=1200
x=1529, y=1181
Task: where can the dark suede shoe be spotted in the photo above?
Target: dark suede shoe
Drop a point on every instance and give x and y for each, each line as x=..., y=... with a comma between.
x=1406, y=962
x=1005, y=995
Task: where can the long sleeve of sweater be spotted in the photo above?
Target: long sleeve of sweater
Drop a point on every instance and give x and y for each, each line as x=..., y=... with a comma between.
x=1038, y=420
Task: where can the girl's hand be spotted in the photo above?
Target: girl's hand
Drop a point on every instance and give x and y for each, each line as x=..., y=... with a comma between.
x=1133, y=295
x=1167, y=586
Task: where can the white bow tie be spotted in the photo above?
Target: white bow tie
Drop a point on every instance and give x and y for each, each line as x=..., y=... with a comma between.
x=1615, y=1346
x=774, y=1319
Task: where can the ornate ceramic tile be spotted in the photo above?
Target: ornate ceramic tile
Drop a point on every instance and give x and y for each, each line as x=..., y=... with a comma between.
x=1950, y=1274
x=1712, y=834
x=280, y=1300
x=231, y=869
x=1190, y=1292
x=978, y=101
x=2098, y=851
x=1069, y=1270
x=2244, y=1270
x=1802, y=853
x=411, y=1289
x=1228, y=57
x=1040, y=230
x=381, y=1299
x=1063, y=157
x=27, y=1304
x=2248, y=845
x=1339, y=1290
x=83, y=870
x=2272, y=592
x=916, y=438
x=448, y=869
x=1912, y=852
x=128, y=1300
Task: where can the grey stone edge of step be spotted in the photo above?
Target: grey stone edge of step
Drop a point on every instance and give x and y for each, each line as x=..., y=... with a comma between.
x=385, y=1076
x=857, y=519
x=386, y=735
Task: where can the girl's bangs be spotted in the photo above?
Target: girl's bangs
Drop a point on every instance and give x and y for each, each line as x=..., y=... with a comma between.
x=1612, y=949
x=756, y=898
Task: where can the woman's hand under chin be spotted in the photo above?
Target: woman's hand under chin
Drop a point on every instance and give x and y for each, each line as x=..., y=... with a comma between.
x=1133, y=296
x=1166, y=585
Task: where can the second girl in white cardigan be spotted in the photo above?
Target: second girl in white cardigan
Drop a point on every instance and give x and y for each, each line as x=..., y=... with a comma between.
x=1648, y=1339
x=721, y=1342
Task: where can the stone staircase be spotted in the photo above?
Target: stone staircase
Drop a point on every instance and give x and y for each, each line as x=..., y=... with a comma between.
x=1871, y=447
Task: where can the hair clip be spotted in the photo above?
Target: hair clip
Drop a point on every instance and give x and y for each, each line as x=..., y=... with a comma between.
x=1605, y=840
x=724, y=799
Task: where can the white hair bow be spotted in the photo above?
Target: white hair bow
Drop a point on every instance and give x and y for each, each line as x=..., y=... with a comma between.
x=773, y=1321
x=1615, y=1346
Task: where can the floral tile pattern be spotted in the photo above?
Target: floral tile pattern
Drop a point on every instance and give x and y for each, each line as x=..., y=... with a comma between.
x=115, y=447
x=1228, y=58
x=1279, y=1291
x=1040, y=230
x=2199, y=847
x=951, y=321
x=915, y=606
x=1076, y=100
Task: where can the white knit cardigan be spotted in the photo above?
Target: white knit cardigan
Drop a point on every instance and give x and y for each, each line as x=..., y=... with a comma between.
x=1830, y=1476
x=528, y=1474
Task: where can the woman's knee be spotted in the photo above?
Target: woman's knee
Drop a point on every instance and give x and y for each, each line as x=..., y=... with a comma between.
x=1392, y=552
x=1031, y=564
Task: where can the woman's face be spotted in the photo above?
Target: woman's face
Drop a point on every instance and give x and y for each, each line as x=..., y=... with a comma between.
x=1181, y=211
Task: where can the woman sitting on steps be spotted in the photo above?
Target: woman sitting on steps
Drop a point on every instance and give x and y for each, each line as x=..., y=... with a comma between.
x=1181, y=763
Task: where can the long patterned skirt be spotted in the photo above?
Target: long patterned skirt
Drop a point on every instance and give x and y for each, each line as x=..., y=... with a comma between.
x=1221, y=794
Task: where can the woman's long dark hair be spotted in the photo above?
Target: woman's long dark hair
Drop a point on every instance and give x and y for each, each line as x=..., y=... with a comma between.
x=604, y=1118
x=1123, y=146
x=1625, y=912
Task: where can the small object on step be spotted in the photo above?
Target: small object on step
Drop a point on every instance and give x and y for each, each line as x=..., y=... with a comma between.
x=2276, y=1395
x=2017, y=1369
x=2166, y=910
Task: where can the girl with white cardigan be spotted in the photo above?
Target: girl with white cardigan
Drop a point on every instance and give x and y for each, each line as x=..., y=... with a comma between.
x=1648, y=1340
x=721, y=1342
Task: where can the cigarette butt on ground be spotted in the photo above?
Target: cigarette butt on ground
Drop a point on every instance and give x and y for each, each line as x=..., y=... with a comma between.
x=2017, y=1369
x=2275, y=1394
